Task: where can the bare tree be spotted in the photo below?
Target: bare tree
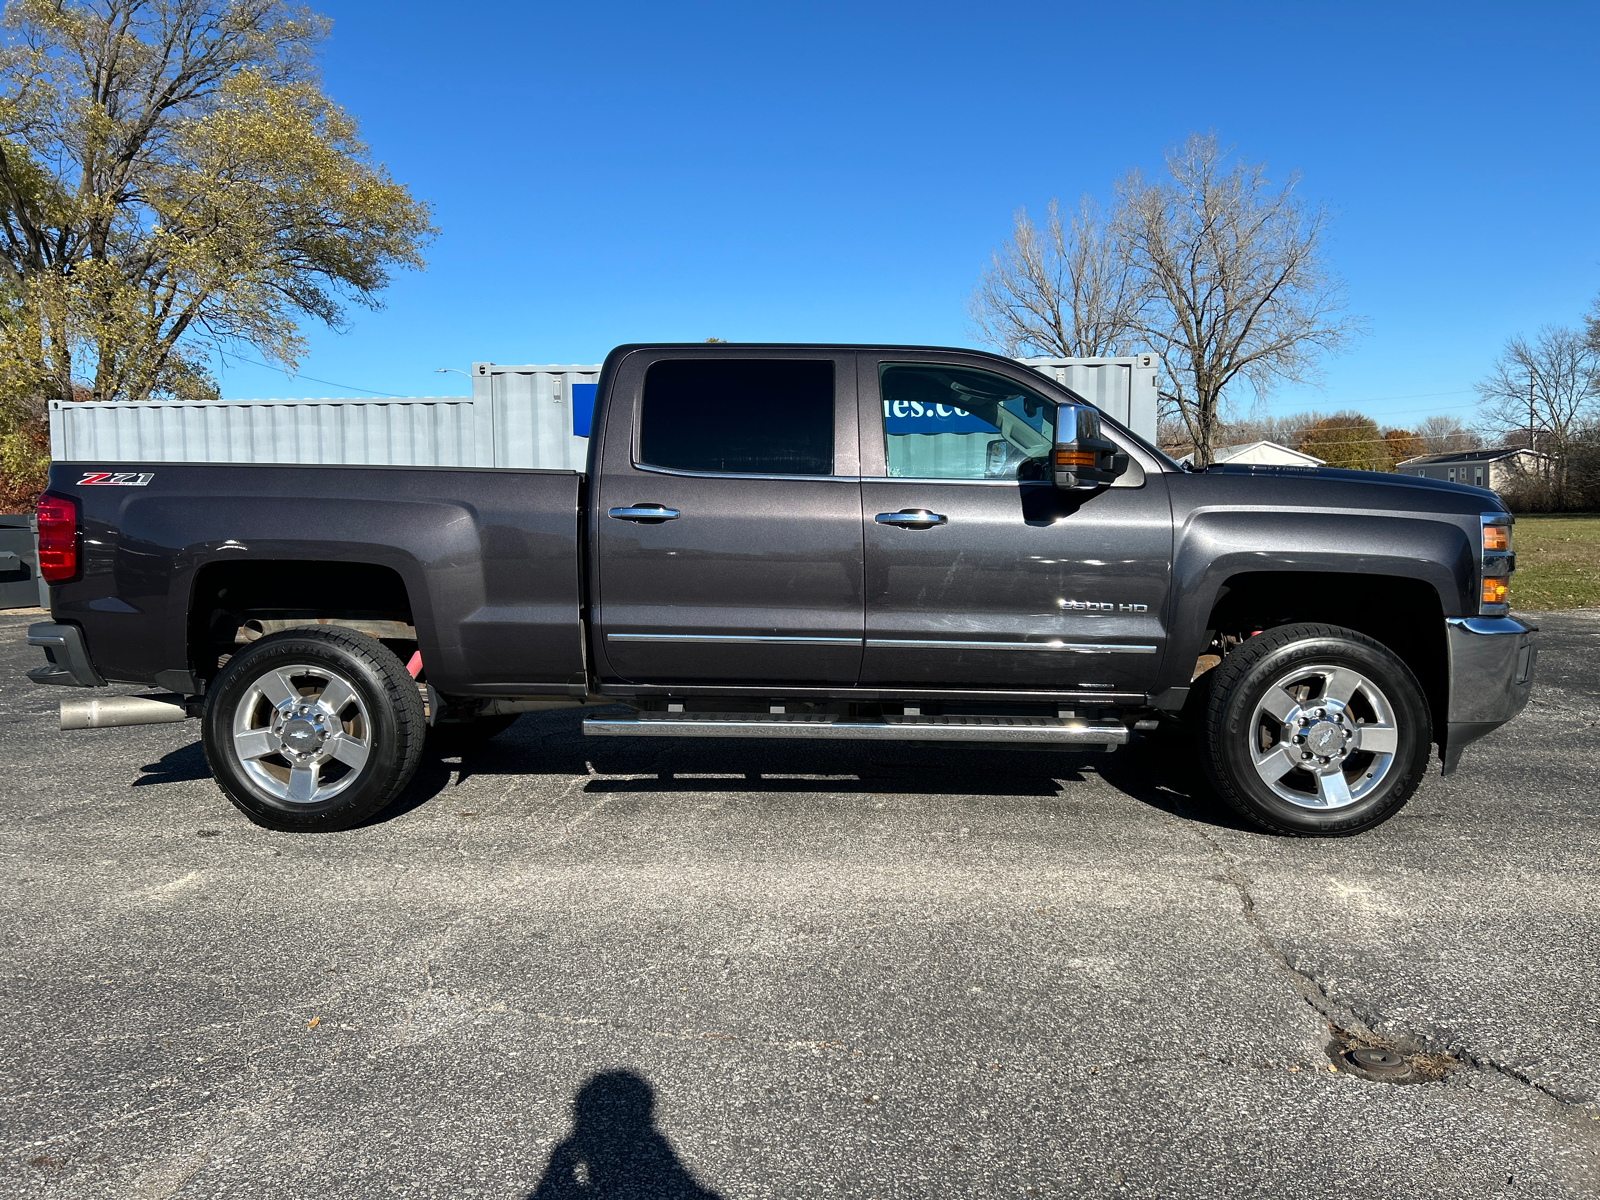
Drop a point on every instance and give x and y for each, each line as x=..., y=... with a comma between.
x=1065, y=291
x=1547, y=388
x=1440, y=434
x=1235, y=279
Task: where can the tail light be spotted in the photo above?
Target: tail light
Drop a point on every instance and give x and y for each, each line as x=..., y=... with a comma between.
x=58, y=538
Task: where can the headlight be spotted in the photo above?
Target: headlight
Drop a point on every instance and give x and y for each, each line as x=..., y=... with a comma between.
x=1497, y=563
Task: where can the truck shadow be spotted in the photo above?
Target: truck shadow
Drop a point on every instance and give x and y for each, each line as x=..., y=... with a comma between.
x=1161, y=773
x=183, y=765
x=615, y=1150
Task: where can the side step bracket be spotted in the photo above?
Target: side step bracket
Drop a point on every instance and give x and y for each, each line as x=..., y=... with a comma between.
x=1038, y=731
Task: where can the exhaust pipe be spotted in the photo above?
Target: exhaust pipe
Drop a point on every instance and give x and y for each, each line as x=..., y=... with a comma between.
x=123, y=710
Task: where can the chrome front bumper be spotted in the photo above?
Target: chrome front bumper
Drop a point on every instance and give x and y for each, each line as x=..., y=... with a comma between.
x=1491, y=677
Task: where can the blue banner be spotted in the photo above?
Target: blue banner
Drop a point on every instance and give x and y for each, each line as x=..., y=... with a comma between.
x=583, y=407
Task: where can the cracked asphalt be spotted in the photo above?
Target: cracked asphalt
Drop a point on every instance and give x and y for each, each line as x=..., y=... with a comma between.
x=563, y=968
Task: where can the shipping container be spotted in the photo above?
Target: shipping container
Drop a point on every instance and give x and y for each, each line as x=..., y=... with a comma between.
x=517, y=416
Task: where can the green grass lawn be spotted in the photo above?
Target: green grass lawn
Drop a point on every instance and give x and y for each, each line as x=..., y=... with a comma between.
x=1558, y=561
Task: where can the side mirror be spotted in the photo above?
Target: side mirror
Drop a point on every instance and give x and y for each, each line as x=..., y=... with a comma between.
x=1083, y=459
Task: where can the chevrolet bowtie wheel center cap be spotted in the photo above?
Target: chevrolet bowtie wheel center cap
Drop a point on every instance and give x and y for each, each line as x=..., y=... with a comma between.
x=1325, y=739
x=302, y=736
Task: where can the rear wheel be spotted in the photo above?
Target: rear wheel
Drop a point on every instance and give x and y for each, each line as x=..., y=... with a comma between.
x=1315, y=730
x=313, y=729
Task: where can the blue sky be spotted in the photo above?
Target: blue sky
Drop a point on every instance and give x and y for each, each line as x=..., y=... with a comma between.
x=840, y=172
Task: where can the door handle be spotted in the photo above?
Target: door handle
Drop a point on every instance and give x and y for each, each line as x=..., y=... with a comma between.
x=912, y=518
x=650, y=514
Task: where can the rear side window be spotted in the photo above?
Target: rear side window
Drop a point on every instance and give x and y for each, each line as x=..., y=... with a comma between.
x=749, y=417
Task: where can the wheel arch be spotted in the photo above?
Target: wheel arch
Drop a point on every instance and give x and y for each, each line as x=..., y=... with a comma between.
x=230, y=597
x=1404, y=614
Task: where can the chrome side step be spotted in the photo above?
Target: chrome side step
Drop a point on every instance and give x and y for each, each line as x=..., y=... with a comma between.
x=1050, y=731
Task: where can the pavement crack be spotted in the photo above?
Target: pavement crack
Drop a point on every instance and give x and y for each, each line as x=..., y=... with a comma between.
x=1482, y=1063
x=1337, y=1015
x=1432, y=1054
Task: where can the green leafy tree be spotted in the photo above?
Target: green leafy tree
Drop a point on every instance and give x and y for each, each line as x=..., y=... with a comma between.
x=1347, y=439
x=174, y=183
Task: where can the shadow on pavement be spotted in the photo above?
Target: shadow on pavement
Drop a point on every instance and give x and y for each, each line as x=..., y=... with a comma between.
x=183, y=765
x=1161, y=770
x=615, y=1151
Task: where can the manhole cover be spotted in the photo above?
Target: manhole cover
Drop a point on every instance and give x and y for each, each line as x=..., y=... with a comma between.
x=1377, y=1062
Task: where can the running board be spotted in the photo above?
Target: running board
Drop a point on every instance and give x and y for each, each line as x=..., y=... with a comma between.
x=1046, y=731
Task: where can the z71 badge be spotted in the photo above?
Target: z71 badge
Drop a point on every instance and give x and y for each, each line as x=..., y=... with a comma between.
x=116, y=478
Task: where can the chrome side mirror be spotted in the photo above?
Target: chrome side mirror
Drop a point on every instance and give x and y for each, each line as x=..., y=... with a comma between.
x=1084, y=460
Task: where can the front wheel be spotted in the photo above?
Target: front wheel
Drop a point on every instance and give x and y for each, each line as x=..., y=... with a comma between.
x=313, y=729
x=1315, y=730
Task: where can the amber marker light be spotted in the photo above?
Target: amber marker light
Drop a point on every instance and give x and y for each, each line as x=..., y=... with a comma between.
x=1496, y=591
x=1496, y=539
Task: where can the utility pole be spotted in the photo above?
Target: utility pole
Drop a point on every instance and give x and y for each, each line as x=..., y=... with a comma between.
x=1530, y=410
x=1531, y=446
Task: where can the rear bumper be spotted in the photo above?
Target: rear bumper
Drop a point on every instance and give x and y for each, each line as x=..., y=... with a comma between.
x=1491, y=676
x=68, y=664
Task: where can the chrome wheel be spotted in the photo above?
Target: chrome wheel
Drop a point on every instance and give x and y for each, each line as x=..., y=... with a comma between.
x=302, y=734
x=1323, y=736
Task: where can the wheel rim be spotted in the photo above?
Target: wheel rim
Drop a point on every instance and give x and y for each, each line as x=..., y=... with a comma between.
x=302, y=733
x=1323, y=737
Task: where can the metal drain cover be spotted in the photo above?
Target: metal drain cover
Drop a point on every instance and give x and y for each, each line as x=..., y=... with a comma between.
x=1378, y=1062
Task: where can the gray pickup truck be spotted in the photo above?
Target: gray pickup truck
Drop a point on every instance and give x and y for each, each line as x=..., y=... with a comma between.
x=780, y=541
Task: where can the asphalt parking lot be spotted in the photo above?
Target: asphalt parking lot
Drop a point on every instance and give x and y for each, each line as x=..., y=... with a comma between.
x=566, y=967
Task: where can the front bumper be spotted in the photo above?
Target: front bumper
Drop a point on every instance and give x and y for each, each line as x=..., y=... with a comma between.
x=1491, y=677
x=69, y=664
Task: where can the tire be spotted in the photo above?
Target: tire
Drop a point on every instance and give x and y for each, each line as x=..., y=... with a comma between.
x=289, y=763
x=1315, y=731
x=458, y=737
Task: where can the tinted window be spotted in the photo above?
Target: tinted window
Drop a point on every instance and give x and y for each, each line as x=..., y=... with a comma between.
x=755, y=417
x=956, y=423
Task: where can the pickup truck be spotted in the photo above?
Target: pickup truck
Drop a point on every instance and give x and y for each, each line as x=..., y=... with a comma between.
x=796, y=541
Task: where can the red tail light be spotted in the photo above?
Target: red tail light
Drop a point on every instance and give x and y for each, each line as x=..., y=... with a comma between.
x=58, y=538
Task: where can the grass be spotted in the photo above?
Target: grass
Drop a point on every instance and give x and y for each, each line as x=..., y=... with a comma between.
x=1558, y=561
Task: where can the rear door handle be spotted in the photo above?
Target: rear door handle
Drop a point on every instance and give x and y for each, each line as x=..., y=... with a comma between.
x=912, y=518
x=650, y=514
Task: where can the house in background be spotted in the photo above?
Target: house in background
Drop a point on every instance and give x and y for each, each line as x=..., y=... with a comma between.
x=1261, y=454
x=1492, y=469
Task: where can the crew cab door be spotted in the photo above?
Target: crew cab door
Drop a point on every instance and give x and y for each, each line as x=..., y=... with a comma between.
x=727, y=527
x=980, y=574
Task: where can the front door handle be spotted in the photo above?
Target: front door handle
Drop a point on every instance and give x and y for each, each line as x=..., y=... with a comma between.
x=912, y=518
x=649, y=514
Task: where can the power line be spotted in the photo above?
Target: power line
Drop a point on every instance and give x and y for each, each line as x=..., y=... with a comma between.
x=297, y=375
x=1414, y=396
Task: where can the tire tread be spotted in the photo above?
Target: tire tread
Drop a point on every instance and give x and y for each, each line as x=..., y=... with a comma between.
x=399, y=692
x=1230, y=673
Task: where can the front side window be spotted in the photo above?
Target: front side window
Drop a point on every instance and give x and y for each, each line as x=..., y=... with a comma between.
x=740, y=417
x=958, y=423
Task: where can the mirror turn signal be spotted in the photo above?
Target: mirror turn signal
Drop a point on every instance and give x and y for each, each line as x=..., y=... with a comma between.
x=1084, y=460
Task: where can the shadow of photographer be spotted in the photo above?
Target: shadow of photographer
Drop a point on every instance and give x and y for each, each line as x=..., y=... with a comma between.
x=615, y=1151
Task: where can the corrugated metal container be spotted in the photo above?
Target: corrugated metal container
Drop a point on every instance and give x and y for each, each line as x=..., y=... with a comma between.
x=540, y=414
x=517, y=416
x=423, y=432
x=1123, y=388
x=20, y=584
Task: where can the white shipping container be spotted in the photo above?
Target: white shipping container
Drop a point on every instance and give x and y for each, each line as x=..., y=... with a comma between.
x=517, y=416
